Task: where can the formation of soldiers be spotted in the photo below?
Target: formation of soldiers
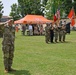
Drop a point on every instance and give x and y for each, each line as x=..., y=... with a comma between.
x=55, y=32
x=8, y=45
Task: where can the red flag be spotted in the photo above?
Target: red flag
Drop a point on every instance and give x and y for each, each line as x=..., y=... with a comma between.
x=71, y=14
x=57, y=15
x=55, y=18
x=72, y=22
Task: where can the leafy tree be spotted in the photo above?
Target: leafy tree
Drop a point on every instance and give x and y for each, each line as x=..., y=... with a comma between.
x=1, y=7
x=15, y=12
x=64, y=5
x=68, y=5
x=30, y=7
x=51, y=8
x=44, y=2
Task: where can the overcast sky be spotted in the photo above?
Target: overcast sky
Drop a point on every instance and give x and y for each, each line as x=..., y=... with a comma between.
x=7, y=6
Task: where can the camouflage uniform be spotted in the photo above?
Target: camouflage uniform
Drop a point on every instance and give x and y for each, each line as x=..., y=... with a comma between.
x=64, y=32
x=60, y=33
x=51, y=33
x=56, y=32
x=8, y=47
x=13, y=30
x=47, y=33
x=1, y=30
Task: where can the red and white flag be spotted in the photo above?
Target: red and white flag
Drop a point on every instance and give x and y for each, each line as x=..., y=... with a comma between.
x=57, y=15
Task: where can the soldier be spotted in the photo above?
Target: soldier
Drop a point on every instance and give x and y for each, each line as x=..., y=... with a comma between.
x=8, y=46
x=56, y=32
x=1, y=29
x=60, y=31
x=47, y=33
x=64, y=32
x=51, y=33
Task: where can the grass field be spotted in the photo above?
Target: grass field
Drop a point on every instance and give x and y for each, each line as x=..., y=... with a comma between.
x=34, y=57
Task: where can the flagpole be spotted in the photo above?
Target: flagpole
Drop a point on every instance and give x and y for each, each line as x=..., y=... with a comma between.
x=74, y=13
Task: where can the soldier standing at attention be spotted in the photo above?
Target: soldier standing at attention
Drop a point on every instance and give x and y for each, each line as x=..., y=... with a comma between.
x=56, y=32
x=60, y=31
x=47, y=33
x=64, y=32
x=51, y=33
x=8, y=46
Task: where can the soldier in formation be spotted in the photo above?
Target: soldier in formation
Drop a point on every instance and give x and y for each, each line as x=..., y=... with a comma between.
x=53, y=32
x=56, y=32
x=62, y=32
x=8, y=46
x=47, y=33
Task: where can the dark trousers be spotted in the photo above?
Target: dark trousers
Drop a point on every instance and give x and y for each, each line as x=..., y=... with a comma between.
x=51, y=36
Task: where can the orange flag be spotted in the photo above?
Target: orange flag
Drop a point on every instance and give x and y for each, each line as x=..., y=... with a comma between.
x=71, y=14
x=72, y=22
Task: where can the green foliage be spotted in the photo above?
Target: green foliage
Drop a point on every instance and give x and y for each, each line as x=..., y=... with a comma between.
x=51, y=8
x=41, y=7
x=68, y=5
x=25, y=7
x=1, y=7
x=15, y=12
x=44, y=2
x=33, y=56
x=30, y=7
x=65, y=7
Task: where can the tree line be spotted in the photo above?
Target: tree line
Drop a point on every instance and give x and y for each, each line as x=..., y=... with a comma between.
x=39, y=7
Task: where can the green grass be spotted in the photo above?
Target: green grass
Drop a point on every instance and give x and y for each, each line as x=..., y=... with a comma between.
x=33, y=56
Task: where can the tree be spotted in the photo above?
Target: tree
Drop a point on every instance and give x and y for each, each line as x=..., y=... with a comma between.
x=1, y=7
x=30, y=7
x=15, y=12
x=69, y=4
x=51, y=8
x=64, y=5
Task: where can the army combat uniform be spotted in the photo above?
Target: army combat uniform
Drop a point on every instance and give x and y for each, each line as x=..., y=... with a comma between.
x=51, y=33
x=62, y=33
x=8, y=47
x=47, y=33
x=1, y=30
x=56, y=32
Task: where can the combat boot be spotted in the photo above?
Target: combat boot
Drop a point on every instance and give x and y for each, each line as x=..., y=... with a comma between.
x=10, y=69
x=6, y=71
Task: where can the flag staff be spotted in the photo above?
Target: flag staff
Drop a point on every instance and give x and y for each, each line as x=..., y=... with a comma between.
x=74, y=10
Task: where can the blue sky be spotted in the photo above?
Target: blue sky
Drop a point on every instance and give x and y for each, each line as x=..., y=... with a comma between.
x=7, y=6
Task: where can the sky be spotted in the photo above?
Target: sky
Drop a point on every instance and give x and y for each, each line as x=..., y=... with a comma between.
x=7, y=6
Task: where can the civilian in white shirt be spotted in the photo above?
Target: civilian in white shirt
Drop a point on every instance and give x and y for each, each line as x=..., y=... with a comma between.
x=30, y=30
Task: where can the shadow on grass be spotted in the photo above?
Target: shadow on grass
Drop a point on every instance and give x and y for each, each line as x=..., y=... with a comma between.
x=69, y=42
x=20, y=72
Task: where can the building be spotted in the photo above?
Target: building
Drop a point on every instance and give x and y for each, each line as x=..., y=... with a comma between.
x=5, y=18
